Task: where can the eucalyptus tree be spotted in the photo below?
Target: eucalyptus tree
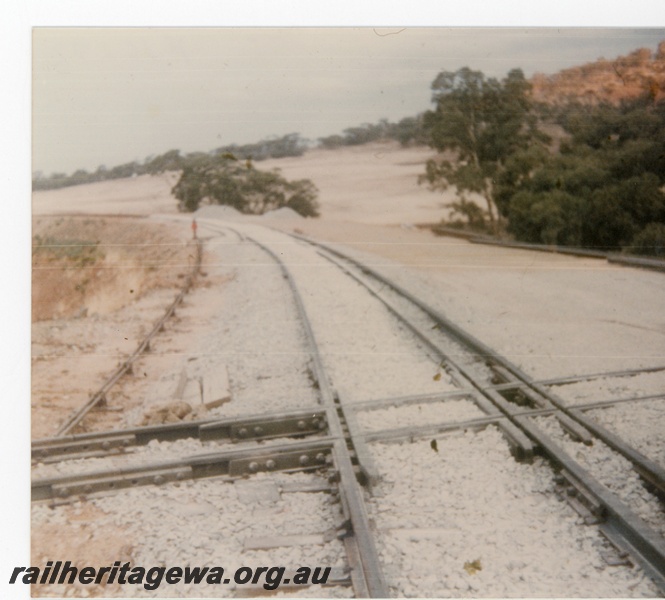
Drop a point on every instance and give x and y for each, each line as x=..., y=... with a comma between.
x=223, y=179
x=479, y=123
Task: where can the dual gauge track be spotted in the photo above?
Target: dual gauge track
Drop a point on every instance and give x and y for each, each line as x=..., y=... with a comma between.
x=328, y=439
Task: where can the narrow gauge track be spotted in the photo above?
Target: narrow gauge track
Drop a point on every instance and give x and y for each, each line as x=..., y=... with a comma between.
x=126, y=367
x=330, y=451
x=344, y=446
x=509, y=386
x=105, y=443
x=520, y=399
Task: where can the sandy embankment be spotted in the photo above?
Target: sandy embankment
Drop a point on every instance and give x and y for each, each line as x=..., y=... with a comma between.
x=376, y=183
x=136, y=196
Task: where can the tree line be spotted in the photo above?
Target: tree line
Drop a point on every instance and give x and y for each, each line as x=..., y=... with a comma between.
x=408, y=131
x=277, y=147
x=602, y=186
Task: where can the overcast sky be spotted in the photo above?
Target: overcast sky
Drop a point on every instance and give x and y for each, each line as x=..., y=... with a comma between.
x=108, y=96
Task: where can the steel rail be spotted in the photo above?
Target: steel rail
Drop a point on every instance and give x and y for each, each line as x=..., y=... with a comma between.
x=522, y=447
x=411, y=432
x=368, y=578
x=557, y=381
x=116, y=479
x=226, y=429
x=301, y=422
x=381, y=403
x=650, y=471
x=126, y=367
x=609, y=403
x=287, y=423
x=470, y=394
x=618, y=522
x=287, y=456
x=654, y=472
x=300, y=455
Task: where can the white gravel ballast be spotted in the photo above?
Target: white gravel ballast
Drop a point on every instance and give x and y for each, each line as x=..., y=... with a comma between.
x=466, y=520
x=363, y=347
x=454, y=515
x=212, y=523
x=256, y=333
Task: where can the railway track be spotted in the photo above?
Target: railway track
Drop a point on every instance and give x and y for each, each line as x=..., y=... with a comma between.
x=346, y=443
x=126, y=367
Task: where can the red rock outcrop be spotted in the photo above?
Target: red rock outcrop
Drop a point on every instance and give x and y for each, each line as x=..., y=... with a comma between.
x=623, y=78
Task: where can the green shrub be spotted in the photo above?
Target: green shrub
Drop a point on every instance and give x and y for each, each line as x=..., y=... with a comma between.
x=650, y=241
x=224, y=180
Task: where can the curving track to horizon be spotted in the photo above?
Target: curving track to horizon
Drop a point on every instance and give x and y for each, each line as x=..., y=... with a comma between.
x=436, y=466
